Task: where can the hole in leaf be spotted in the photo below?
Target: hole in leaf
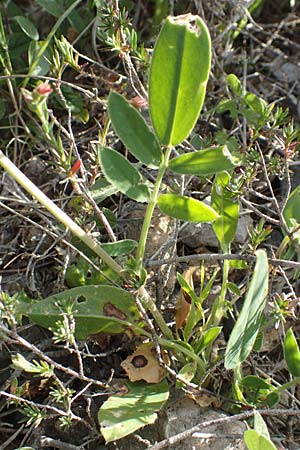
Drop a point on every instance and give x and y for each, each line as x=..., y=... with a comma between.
x=81, y=299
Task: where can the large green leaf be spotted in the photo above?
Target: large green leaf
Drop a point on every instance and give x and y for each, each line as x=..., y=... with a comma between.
x=225, y=203
x=121, y=174
x=94, y=308
x=247, y=326
x=186, y=208
x=204, y=162
x=178, y=76
x=292, y=353
x=133, y=130
x=121, y=415
x=256, y=441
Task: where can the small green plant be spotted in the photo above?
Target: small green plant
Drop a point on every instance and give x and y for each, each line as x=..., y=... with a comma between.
x=112, y=296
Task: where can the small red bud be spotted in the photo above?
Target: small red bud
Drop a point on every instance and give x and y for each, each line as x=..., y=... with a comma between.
x=44, y=89
x=74, y=169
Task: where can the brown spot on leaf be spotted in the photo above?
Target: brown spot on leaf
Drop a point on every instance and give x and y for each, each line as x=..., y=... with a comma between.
x=111, y=311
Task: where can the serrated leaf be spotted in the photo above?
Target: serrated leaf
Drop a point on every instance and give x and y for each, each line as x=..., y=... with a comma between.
x=178, y=76
x=255, y=441
x=203, y=162
x=28, y=27
x=292, y=353
x=133, y=131
x=225, y=203
x=186, y=208
x=123, y=175
x=247, y=326
x=95, y=309
x=121, y=415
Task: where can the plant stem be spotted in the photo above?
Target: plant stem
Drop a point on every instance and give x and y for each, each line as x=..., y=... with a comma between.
x=59, y=214
x=288, y=385
x=150, y=306
x=149, y=211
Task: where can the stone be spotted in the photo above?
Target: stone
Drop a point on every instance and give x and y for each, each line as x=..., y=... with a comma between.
x=202, y=234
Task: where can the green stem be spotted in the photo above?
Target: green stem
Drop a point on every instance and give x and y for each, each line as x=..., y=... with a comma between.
x=288, y=385
x=150, y=306
x=59, y=214
x=48, y=39
x=149, y=211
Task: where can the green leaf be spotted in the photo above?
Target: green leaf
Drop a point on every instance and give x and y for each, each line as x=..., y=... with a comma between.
x=235, y=84
x=133, y=131
x=292, y=353
x=43, y=65
x=228, y=105
x=233, y=288
x=207, y=338
x=244, y=333
x=204, y=162
x=53, y=7
x=257, y=104
x=226, y=204
x=255, y=441
x=28, y=27
x=123, y=247
x=186, y=208
x=256, y=383
x=75, y=103
x=101, y=190
x=25, y=448
x=95, y=309
x=121, y=415
x=121, y=174
x=21, y=363
x=260, y=425
x=187, y=372
x=292, y=207
x=178, y=76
